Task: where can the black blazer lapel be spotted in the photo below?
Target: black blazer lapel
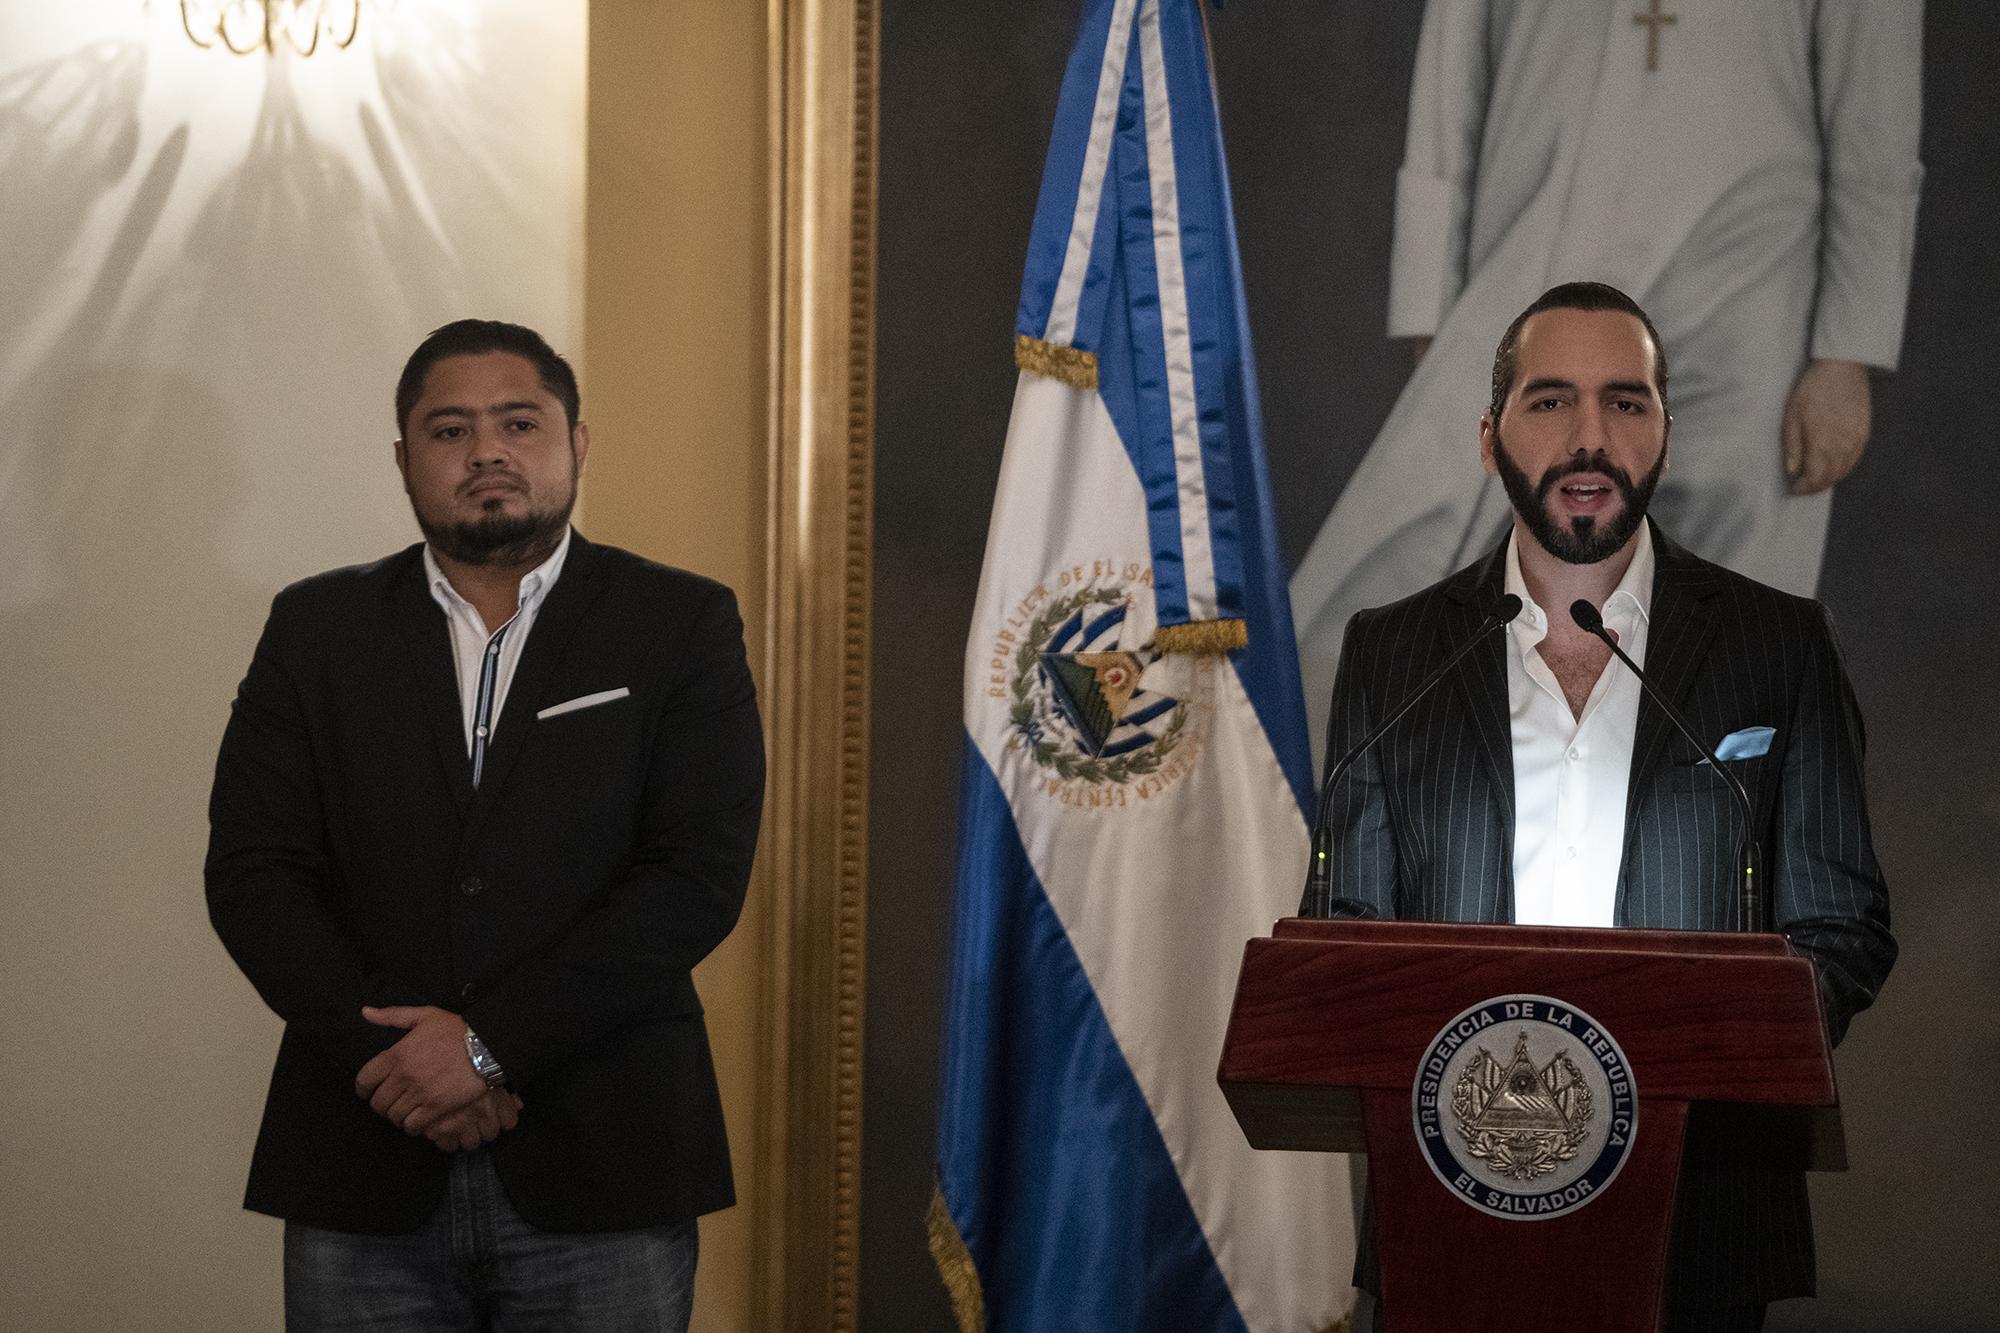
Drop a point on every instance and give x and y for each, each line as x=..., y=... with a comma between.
x=1679, y=629
x=427, y=637
x=555, y=625
x=1481, y=678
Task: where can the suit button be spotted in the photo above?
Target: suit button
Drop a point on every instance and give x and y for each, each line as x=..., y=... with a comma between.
x=468, y=992
x=470, y=886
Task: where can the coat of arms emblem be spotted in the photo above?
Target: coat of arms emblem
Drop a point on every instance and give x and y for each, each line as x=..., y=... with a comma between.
x=1535, y=1133
x=1522, y=1122
x=1073, y=665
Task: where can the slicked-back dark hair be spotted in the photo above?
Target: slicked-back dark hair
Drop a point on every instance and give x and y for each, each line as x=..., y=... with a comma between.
x=476, y=337
x=1571, y=296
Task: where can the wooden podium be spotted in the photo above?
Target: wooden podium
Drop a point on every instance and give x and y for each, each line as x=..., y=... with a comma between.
x=1335, y=1020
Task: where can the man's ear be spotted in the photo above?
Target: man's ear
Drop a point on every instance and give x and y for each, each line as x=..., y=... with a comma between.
x=403, y=458
x=579, y=443
x=1486, y=459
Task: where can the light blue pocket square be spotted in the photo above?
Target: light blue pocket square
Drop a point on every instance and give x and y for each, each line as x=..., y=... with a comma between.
x=1748, y=743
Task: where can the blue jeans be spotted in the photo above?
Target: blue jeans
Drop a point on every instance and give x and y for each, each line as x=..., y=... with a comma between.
x=477, y=1266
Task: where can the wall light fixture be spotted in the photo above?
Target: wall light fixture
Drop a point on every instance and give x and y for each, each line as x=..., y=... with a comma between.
x=248, y=26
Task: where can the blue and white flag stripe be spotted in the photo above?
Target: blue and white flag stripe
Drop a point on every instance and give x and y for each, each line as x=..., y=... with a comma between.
x=1191, y=463
x=1073, y=635
x=1086, y=1156
x=1110, y=200
x=1056, y=316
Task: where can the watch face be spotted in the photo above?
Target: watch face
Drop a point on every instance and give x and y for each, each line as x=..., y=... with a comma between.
x=476, y=1049
x=483, y=1063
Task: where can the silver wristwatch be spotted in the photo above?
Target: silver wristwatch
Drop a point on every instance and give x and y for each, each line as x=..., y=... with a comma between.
x=483, y=1063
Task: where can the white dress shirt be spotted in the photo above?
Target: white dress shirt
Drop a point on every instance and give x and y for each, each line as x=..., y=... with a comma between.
x=471, y=644
x=1570, y=772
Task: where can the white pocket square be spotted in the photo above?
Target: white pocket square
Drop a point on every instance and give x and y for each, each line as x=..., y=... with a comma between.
x=581, y=701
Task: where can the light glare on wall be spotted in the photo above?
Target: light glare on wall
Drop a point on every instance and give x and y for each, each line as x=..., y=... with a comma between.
x=247, y=26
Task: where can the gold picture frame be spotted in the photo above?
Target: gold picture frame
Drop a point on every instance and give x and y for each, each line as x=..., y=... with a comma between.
x=822, y=110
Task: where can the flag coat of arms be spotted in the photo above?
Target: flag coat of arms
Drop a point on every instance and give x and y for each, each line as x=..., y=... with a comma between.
x=1136, y=774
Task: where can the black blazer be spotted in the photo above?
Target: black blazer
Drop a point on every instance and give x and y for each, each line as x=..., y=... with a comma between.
x=559, y=906
x=1427, y=823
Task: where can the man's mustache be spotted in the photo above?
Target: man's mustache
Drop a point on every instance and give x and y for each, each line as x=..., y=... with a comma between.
x=509, y=479
x=1581, y=462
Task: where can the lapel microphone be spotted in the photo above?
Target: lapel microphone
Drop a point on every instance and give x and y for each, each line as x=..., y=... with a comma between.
x=1319, y=873
x=1750, y=907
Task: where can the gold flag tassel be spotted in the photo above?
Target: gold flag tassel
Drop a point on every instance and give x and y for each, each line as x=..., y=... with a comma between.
x=1202, y=636
x=1057, y=361
x=955, y=1267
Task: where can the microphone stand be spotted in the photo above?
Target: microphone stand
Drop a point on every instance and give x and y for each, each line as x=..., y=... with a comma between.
x=1319, y=873
x=1749, y=891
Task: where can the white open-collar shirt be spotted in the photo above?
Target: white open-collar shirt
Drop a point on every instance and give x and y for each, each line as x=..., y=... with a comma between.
x=470, y=642
x=1571, y=772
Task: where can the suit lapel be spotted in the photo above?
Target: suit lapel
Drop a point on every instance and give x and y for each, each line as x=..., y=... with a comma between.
x=427, y=639
x=1678, y=633
x=1481, y=678
x=555, y=624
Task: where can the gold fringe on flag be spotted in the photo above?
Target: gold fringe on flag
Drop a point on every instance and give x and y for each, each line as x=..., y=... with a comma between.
x=1057, y=361
x=1202, y=636
x=954, y=1266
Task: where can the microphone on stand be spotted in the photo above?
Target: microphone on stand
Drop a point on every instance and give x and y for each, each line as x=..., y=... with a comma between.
x=1319, y=873
x=1750, y=907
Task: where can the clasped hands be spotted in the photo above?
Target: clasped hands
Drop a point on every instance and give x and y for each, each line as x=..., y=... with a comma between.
x=425, y=1083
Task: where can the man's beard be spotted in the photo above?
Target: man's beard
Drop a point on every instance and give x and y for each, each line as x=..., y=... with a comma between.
x=500, y=538
x=1583, y=542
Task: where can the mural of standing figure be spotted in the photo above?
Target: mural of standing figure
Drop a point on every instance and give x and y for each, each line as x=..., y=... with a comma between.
x=1748, y=172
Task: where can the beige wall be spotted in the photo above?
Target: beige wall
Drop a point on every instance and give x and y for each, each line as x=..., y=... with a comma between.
x=211, y=268
x=674, y=334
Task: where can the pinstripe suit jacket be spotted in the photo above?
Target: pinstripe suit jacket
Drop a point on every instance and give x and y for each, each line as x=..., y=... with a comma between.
x=1427, y=830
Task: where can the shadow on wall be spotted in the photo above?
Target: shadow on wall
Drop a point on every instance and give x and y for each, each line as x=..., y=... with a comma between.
x=203, y=321
x=446, y=113
x=164, y=365
x=117, y=684
x=370, y=250
x=294, y=264
x=69, y=131
x=294, y=278
x=136, y=469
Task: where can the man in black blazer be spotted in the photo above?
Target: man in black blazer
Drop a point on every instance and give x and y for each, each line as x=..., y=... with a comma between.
x=1430, y=825
x=480, y=808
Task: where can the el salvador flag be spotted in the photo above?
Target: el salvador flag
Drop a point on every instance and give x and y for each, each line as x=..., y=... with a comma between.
x=1136, y=774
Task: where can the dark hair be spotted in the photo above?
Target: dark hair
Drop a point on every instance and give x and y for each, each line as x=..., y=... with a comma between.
x=475, y=337
x=1571, y=296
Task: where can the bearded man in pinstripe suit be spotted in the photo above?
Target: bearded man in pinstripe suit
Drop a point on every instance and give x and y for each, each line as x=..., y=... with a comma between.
x=1540, y=786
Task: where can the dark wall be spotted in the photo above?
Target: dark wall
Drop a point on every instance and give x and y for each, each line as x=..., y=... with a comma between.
x=967, y=101
x=1313, y=105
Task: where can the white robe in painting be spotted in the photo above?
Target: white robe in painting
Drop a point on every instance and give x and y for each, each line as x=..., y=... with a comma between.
x=1756, y=193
